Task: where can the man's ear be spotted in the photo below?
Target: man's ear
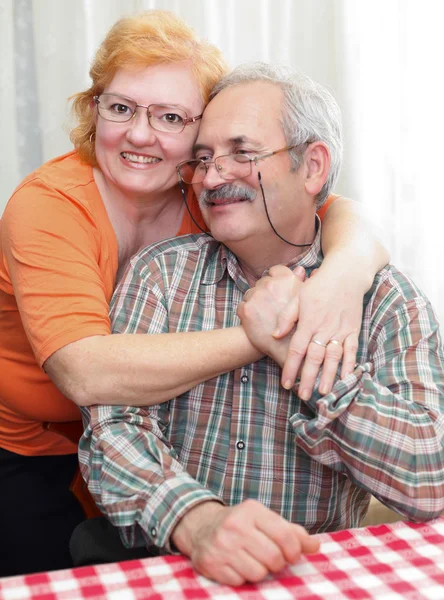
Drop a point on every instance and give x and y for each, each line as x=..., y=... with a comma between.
x=317, y=167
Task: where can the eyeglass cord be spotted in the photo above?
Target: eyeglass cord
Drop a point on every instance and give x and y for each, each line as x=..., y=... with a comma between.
x=269, y=220
x=182, y=189
x=184, y=196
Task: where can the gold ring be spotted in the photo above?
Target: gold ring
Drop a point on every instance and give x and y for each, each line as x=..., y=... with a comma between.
x=337, y=342
x=319, y=343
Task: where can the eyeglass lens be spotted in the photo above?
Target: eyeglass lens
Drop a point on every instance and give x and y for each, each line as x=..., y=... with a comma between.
x=161, y=117
x=229, y=167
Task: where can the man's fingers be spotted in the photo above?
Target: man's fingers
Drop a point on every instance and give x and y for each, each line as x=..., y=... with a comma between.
x=287, y=319
x=349, y=357
x=306, y=543
x=266, y=551
x=292, y=540
x=300, y=273
x=283, y=271
x=309, y=543
x=240, y=309
x=225, y=575
x=249, y=567
x=250, y=542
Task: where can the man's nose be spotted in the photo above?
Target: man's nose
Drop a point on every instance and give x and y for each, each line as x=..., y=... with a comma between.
x=213, y=177
x=140, y=132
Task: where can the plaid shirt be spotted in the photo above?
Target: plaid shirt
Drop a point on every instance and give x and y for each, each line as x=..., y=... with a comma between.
x=241, y=435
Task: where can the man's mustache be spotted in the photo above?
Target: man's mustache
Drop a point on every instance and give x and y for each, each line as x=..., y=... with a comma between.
x=229, y=190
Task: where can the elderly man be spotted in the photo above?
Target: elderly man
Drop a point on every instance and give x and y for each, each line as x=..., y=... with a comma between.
x=231, y=472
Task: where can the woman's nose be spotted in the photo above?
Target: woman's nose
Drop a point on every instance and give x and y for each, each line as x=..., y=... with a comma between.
x=140, y=131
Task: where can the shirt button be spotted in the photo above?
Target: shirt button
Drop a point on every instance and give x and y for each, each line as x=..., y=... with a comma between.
x=153, y=532
x=240, y=445
x=244, y=379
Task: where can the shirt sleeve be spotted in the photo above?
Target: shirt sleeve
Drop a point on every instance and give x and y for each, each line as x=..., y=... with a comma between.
x=52, y=250
x=132, y=471
x=383, y=425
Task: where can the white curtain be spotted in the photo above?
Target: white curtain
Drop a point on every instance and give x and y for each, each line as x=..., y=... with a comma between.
x=382, y=59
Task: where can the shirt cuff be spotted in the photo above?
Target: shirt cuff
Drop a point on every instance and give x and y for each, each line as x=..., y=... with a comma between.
x=332, y=405
x=168, y=504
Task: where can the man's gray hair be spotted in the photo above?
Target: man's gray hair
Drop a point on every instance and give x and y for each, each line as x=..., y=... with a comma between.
x=309, y=114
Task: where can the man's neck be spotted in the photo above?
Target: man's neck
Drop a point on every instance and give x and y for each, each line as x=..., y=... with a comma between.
x=257, y=256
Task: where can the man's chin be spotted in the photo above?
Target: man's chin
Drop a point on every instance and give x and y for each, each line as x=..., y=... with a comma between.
x=228, y=236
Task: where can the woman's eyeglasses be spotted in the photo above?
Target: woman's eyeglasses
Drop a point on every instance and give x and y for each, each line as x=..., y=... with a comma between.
x=162, y=117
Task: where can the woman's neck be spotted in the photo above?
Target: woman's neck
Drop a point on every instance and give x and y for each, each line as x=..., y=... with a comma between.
x=140, y=221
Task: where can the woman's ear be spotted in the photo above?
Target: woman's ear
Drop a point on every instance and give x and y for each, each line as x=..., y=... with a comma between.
x=93, y=106
x=317, y=167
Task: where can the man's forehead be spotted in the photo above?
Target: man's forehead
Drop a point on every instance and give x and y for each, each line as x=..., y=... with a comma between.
x=250, y=97
x=236, y=140
x=239, y=112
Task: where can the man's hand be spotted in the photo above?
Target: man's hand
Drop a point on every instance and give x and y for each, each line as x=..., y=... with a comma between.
x=282, y=304
x=272, y=305
x=242, y=543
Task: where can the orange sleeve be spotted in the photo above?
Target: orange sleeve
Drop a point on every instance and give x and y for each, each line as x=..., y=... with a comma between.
x=52, y=251
x=326, y=205
x=194, y=223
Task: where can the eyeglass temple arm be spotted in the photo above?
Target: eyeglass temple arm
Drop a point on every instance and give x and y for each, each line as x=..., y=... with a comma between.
x=257, y=158
x=192, y=119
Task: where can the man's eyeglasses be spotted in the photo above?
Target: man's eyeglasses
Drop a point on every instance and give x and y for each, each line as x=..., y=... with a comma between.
x=162, y=117
x=228, y=166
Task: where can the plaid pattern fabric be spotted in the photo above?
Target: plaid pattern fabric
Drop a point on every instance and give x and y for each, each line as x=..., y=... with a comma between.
x=241, y=435
x=401, y=561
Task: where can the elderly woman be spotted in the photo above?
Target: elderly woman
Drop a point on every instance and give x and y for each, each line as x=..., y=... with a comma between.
x=67, y=235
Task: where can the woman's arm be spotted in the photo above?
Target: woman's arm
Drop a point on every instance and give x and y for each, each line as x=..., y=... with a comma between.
x=138, y=369
x=52, y=251
x=330, y=304
x=141, y=370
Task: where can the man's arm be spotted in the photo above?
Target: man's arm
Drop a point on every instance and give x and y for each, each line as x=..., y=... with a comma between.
x=240, y=543
x=131, y=469
x=383, y=425
x=136, y=479
x=138, y=483
x=133, y=473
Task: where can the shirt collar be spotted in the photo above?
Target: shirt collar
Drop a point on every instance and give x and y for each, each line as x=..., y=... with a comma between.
x=222, y=260
x=312, y=257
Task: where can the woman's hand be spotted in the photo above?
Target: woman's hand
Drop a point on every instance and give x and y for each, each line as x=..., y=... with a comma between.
x=323, y=310
x=331, y=314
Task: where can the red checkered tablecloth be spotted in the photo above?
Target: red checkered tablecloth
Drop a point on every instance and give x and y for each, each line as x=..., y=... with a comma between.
x=390, y=562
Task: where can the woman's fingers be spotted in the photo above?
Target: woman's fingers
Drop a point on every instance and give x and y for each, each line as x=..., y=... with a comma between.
x=351, y=343
x=333, y=356
x=316, y=353
x=296, y=354
x=310, y=356
x=326, y=336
